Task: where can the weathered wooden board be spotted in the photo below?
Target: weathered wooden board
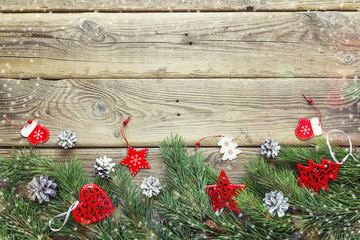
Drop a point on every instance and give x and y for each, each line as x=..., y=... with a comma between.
x=176, y=5
x=179, y=45
x=251, y=110
x=234, y=169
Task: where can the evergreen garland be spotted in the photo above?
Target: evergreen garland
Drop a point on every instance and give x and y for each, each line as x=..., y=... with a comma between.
x=182, y=210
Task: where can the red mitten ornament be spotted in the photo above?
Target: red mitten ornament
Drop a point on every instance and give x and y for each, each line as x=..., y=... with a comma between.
x=135, y=159
x=223, y=192
x=94, y=205
x=36, y=133
x=309, y=128
x=317, y=176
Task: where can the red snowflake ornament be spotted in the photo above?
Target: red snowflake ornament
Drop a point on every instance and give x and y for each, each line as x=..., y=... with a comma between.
x=36, y=133
x=308, y=128
x=317, y=176
x=135, y=160
x=94, y=205
x=223, y=192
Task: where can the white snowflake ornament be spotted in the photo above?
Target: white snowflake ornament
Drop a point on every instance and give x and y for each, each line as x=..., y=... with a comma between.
x=225, y=141
x=231, y=154
x=228, y=148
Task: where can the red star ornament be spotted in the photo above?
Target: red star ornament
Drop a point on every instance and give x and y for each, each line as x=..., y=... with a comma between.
x=135, y=160
x=223, y=192
x=317, y=176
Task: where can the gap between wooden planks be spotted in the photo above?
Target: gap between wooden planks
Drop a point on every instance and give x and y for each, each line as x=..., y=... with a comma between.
x=234, y=169
x=251, y=110
x=180, y=45
x=175, y=5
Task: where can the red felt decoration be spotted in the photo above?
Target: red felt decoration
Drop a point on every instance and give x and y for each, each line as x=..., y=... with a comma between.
x=304, y=130
x=309, y=128
x=94, y=205
x=134, y=159
x=223, y=192
x=317, y=176
x=36, y=133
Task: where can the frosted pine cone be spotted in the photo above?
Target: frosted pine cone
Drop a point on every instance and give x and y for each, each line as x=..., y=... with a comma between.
x=151, y=186
x=103, y=167
x=270, y=148
x=276, y=203
x=67, y=139
x=42, y=188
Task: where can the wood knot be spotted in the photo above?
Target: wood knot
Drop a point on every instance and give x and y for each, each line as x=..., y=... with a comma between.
x=90, y=27
x=100, y=108
x=329, y=19
x=250, y=9
x=349, y=59
x=117, y=134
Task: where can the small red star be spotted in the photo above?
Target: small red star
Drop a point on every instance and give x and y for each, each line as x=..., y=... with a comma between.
x=223, y=192
x=135, y=160
x=317, y=176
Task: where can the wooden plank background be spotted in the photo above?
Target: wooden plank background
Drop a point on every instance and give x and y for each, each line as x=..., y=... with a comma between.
x=194, y=68
x=180, y=45
x=177, y=5
x=248, y=109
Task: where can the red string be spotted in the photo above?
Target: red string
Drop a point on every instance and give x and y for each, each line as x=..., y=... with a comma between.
x=19, y=126
x=198, y=142
x=122, y=130
x=312, y=102
x=12, y=124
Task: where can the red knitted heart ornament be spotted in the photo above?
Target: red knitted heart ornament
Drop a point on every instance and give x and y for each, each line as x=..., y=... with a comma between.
x=94, y=205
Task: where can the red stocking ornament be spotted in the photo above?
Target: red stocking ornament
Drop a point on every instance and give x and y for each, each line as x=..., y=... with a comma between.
x=135, y=159
x=94, y=205
x=36, y=133
x=309, y=128
x=223, y=192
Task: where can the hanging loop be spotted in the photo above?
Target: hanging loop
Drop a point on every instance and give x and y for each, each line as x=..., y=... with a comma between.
x=198, y=142
x=332, y=153
x=122, y=130
x=310, y=101
x=66, y=214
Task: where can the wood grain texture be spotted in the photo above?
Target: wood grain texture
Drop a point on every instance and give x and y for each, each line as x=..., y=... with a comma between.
x=251, y=110
x=179, y=45
x=176, y=5
x=234, y=169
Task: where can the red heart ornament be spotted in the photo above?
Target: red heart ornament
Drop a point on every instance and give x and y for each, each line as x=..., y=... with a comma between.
x=94, y=205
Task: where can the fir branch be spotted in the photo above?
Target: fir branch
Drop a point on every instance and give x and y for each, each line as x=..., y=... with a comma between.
x=184, y=202
x=23, y=165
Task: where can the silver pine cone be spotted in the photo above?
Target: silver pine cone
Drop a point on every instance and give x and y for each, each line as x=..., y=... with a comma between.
x=104, y=166
x=151, y=186
x=276, y=203
x=270, y=148
x=67, y=139
x=42, y=188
